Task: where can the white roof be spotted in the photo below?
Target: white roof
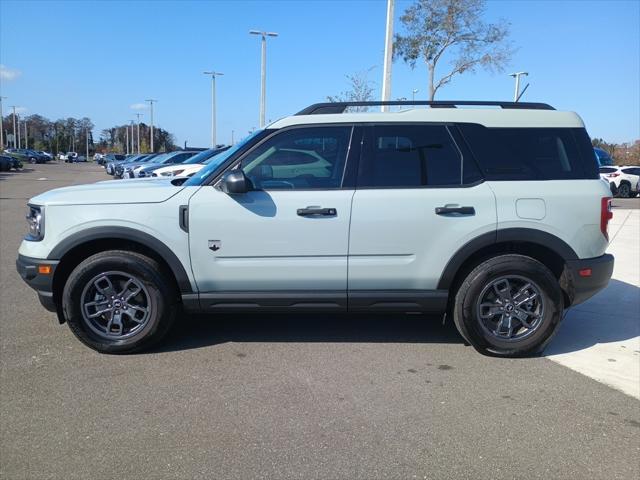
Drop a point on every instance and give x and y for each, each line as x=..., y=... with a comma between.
x=489, y=117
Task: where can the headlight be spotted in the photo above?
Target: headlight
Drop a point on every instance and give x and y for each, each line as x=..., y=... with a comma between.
x=35, y=221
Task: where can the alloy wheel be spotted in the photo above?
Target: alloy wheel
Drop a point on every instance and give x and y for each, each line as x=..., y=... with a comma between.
x=510, y=308
x=115, y=305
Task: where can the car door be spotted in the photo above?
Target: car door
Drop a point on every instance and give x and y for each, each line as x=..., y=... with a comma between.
x=285, y=242
x=418, y=200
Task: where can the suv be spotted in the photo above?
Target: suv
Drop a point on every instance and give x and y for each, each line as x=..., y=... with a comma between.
x=495, y=218
x=623, y=181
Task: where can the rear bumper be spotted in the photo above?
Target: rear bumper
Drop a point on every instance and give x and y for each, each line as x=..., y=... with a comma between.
x=43, y=284
x=580, y=287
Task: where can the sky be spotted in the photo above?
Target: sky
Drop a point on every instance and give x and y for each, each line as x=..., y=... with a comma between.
x=103, y=59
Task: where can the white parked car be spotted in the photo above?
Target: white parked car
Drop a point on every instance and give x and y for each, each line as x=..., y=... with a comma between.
x=623, y=180
x=191, y=166
x=493, y=218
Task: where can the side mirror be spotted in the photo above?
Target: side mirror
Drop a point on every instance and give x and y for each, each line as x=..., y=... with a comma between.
x=235, y=182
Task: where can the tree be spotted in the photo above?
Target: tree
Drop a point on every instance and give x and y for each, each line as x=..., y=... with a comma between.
x=453, y=30
x=361, y=90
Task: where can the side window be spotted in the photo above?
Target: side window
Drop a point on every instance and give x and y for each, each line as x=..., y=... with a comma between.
x=300, y=158
x=531, y=153
x=607, y=169
x=409, y=156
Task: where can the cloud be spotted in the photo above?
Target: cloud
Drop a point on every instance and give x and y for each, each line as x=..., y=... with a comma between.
x=20, y=110
x=139, y=106
x=7, y=73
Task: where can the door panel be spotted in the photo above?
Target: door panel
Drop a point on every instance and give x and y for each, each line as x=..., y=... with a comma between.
x=411, y=212
x=398, y=242
x=264, y=245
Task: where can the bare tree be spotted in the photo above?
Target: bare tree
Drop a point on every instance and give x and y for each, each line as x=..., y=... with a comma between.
x=361, y=90
x=453, y=30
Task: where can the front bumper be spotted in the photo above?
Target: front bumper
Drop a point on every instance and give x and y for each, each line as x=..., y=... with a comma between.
x=28, y=268
x=586, y=277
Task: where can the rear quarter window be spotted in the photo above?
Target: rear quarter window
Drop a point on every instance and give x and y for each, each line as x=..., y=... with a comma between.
x=531, y=153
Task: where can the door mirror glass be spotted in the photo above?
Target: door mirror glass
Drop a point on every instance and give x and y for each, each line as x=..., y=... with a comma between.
x=235, y=182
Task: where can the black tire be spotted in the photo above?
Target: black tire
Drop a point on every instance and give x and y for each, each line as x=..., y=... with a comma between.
x=624, y=190
x=161, y=301
x=32, y=160
x=467, y=309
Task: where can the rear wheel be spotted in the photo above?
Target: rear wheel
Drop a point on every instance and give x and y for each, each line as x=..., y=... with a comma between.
x=119, y=302
x=624, y=190
x=510, y=305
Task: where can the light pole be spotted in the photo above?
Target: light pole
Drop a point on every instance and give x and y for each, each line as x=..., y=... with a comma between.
x=213, y=105
x=132, y=138
x=139, y=115
x=14, y=125
x=86, y=135
x=413, y=94
x=263, y=72
x=26, y=135
x=151, y=102
x=126, y=137
x=1, y=125
x=388, y=56
x=19, y=140
x=517, y=75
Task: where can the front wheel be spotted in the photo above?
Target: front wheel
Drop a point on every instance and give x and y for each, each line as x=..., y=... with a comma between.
x=119, y=302
x=510, y=305
x=32, y=160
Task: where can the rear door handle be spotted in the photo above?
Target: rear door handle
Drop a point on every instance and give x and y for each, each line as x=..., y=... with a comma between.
x=459, y=210
x=317, y=211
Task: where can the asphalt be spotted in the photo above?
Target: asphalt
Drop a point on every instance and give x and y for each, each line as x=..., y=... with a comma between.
x=327, y=397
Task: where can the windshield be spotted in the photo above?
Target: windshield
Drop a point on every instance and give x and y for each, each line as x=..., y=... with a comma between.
x=218, y=160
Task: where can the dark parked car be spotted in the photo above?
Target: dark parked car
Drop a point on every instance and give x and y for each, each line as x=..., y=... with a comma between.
x=7, y=163
x=26, y=155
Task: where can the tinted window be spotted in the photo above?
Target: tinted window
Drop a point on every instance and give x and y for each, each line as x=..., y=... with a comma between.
x=409, y=156
x=631, y=171
x=300, y=158
x=607, y=169
x=531, y=153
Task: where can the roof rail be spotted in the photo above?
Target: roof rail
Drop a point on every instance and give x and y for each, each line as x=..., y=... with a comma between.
x=340, y=107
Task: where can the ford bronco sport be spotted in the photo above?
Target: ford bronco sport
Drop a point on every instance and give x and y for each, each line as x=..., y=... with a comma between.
x=494, y=217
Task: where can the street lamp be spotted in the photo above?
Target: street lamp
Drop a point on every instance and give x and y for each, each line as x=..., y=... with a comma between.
x=517, y=75
x=263, y=71
x=151, y=101
x=413, y=94
x=14, y=125
x=213, y=105
x=139, y=115
x=132, y=137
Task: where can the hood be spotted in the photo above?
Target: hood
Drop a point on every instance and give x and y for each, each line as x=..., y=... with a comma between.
x=110, y=192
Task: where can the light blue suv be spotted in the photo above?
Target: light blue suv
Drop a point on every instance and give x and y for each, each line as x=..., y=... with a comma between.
x=493, y=218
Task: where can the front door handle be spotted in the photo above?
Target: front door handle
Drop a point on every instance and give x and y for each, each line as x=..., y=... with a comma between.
x=459, y=210
x=317, y=211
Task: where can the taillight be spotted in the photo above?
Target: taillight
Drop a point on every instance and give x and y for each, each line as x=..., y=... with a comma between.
x=613, y=175
x=605, y=215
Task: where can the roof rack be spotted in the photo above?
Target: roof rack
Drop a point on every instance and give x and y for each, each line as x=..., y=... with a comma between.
x=340, y=107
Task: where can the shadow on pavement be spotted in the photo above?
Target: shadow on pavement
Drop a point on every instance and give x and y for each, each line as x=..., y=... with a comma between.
x=612, y=315
x=201, y=331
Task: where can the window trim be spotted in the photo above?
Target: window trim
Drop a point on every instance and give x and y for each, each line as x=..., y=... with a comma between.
x=234, y=163
x=367, y=143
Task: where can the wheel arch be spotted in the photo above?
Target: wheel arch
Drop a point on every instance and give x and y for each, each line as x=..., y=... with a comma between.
x=548, y=249
x=75, y=248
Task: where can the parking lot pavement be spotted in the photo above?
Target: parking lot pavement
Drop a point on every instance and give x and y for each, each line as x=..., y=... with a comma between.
x=601, y=337
x=311, y=396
